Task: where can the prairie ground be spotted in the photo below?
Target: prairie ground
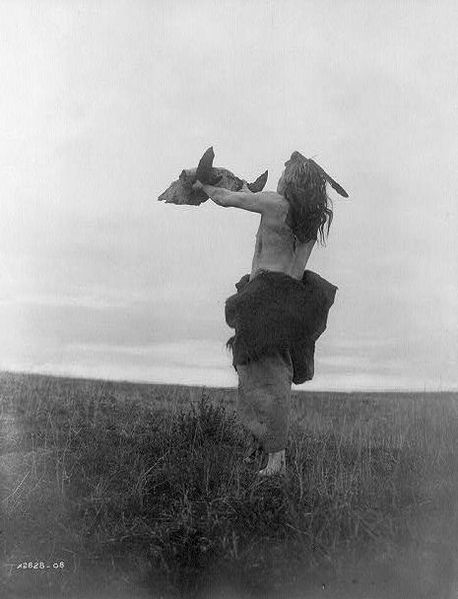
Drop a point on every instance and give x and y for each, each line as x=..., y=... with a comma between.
x=119, y=490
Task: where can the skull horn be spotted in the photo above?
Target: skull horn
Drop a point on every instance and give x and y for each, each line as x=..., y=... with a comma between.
x=204, y=170
x=259, y=184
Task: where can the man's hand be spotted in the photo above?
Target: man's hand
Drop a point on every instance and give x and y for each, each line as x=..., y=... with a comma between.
x=219, y=195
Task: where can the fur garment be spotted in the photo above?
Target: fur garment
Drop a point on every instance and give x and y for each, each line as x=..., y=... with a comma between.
x=275, y=312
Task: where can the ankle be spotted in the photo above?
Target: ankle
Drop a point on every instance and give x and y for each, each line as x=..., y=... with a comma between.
x=277, y=455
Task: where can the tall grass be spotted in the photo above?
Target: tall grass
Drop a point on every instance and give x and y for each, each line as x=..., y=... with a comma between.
x=148, y=483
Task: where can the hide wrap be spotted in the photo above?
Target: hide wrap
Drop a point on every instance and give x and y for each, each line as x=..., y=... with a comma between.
x=275, y=312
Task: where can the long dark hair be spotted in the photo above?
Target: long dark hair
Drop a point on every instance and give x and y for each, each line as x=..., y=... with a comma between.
x=310, y=208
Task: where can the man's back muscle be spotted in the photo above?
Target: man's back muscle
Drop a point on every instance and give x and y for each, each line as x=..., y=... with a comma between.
x=276, y=248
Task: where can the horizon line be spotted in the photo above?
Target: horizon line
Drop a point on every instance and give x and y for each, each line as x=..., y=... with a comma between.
x=73, y=376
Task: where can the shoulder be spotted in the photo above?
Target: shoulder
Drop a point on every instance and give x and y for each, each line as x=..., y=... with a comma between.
x=272, y=202
x=275, y=206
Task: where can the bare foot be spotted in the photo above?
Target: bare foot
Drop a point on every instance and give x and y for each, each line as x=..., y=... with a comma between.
x=275, y=465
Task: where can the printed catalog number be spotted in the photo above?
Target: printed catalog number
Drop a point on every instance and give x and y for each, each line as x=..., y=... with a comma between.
x=39, y=566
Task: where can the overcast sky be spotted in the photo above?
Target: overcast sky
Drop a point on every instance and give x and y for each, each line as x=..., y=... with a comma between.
x=104, y=103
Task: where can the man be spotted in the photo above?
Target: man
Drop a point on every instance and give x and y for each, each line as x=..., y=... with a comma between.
x=278, y=312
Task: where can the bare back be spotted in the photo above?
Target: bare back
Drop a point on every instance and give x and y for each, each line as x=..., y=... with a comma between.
x=276, y=248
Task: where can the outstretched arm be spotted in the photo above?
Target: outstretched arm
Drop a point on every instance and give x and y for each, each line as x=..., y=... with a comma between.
x=244, y=199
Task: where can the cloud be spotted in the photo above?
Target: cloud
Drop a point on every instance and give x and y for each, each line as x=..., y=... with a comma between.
x=192, y=362
x=186, y=353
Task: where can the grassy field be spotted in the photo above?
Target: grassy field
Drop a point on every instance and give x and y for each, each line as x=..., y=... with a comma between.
x=132, y=491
